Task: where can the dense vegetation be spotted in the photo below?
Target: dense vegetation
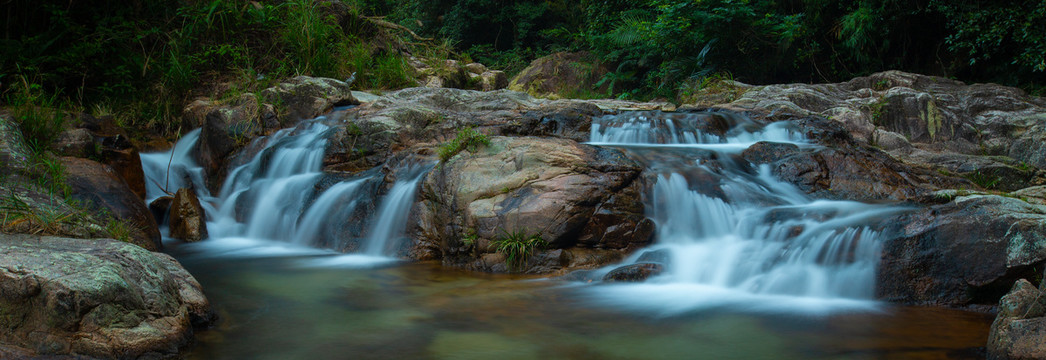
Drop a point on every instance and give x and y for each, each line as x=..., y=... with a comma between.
x=143, y=59
x=657, y=47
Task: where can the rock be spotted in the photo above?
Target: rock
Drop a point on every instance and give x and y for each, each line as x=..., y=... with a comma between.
x=95, y=298
x=493, y=80
x=475, y=68
x=922, y=120
x=98, y=187
x=1019, y=327
x=843, y=170
x=963, y=252
x=188, y=220
x=556, y=188
x=74, y=142
x=637, y=272
x=561, y=75
x=160, y=208
x=308, y=97
x=226, y=128
x=128, y=166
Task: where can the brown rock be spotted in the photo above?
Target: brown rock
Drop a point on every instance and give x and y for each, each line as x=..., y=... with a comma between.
x=1019, y=327
x=638, y=272
x=546, y=187
x=99, y=188
x=188, y=220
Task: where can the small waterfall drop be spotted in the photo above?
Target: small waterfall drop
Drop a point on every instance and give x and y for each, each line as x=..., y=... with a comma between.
x=282, y=203
x=744, y=238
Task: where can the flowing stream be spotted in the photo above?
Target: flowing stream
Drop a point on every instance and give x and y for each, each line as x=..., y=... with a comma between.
x=732, y=238
x=732, y=235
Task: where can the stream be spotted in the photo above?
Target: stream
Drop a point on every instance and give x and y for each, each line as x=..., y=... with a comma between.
x=754, y=269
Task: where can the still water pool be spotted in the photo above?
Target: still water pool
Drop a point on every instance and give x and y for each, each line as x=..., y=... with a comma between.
x=314, y=306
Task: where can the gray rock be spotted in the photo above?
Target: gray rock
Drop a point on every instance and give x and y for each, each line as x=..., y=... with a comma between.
x=95, y=298
x=1019, y=327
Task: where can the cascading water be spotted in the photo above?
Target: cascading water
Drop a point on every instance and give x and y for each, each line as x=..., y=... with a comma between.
x=730, y=234
x=280, y=202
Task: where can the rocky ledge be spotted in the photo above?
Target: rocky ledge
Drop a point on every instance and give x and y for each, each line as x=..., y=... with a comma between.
x=94, y=298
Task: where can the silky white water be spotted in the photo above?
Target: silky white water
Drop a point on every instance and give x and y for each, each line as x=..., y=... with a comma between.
x=272, y=204
x=752, y=242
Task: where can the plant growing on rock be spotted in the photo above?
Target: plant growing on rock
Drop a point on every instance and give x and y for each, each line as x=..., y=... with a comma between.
x=518, y=247
x=467, y=138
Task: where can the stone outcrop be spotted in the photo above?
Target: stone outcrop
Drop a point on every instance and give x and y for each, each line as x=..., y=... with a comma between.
x=453, y=74
x=1020, y=325
x=962, y=252
x=188, y=221
x=992, y=134
x=308, y=97
x=571, y=195
x=94, y=298
x=561, y=75
x=98, y=188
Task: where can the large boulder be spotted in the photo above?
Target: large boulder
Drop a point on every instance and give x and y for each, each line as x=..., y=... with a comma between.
x=94, y=298
x=307, y=97
x=98, y=188
x=989, y=133
x=187, y=218
x=1020, y=325
x=965, y=251
x=573, y=196
x=562, y=75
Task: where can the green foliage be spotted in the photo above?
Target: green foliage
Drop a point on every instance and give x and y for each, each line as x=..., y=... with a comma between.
x=984, y=180
x=39, y=115
x=518, y=247
x=467, y=138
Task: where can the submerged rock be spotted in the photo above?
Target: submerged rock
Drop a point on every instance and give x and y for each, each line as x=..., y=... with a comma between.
x=188, y=220
x=94, y=298
x=637, y=272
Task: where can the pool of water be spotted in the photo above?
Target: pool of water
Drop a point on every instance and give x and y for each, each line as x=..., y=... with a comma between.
x=320, y=306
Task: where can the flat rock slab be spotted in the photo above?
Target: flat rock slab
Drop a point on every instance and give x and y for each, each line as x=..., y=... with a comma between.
x=94, y=298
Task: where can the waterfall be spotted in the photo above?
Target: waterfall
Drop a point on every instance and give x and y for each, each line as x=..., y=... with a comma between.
x=755, y=241
x=281, y=202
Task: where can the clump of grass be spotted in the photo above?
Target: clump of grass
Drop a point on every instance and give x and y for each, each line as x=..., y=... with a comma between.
x=38, y=114
x=466, y=139
x=518, y=247
x=19, y=215
x=984, y=180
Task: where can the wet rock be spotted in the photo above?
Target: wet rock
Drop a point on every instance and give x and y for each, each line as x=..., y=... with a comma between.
x=923, y=120
x=560, y=75
x=160, y=208
x=188, y=220
x=966, y=251
x=660, y=256
x=553, y=188
x=226, y=127
x=308, y=97
x=98, y=187
x=95, y=298
x=128, y=166
x=1019, y=327
x=637, y=272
